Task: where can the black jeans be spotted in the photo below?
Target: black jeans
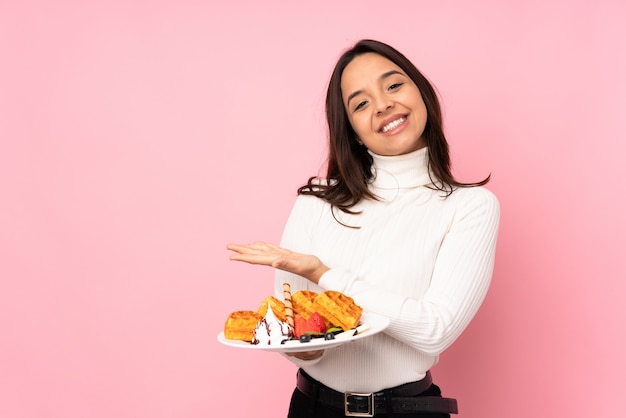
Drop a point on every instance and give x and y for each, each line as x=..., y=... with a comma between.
x=302, y=406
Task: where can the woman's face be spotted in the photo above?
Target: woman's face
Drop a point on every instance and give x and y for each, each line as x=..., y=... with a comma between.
x=384, y=106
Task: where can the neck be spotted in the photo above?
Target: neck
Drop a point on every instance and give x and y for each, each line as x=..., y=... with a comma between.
x=401, y=171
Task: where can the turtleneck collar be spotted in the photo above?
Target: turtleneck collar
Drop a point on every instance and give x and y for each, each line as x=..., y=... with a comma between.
x=400, y=171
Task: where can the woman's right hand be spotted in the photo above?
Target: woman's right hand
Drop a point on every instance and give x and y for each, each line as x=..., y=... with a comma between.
x=306, y=265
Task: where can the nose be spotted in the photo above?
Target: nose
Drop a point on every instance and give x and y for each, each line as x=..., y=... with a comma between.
x=383, y=103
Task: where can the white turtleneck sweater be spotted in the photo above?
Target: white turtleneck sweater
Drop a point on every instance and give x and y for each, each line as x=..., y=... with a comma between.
x=419, y=258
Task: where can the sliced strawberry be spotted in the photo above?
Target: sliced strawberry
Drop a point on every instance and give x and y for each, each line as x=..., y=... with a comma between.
x=299, y=325
x=315, y=323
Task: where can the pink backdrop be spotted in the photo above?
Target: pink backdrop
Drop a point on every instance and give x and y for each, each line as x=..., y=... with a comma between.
x=138, y=138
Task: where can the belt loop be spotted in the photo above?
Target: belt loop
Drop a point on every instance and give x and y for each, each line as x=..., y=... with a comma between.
x=388, y=403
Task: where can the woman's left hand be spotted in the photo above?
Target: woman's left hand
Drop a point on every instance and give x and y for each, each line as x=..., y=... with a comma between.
x=306, y=265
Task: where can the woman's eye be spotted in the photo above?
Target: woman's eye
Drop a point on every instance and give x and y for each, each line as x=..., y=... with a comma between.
x=395, y=86
x=360, y=105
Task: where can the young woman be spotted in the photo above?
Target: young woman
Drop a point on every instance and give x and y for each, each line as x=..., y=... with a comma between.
x=391, y=227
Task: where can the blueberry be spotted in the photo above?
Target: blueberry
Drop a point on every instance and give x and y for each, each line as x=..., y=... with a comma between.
x=329, y=336
x=305, y=338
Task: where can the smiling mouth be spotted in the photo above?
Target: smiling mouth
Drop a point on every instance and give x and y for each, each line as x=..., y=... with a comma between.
x=393, y=124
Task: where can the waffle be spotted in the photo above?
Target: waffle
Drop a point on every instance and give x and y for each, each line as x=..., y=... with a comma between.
x=338, y=309
x=240, y=325
x=278, y=308
x=303, y=303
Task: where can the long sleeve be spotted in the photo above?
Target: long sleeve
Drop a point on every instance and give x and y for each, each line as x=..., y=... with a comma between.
x=419, y=257
x=457, y=286
x=297, y=236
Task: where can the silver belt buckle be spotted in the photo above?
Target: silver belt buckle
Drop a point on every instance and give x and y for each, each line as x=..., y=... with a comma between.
x=370, y=404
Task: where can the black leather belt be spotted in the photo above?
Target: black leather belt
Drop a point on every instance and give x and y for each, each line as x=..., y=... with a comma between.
x=404, y=399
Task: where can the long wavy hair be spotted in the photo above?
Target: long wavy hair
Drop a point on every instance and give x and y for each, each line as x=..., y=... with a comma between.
x=349, y=163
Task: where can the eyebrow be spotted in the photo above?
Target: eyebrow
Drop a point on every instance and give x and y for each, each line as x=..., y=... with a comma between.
x=382, y=77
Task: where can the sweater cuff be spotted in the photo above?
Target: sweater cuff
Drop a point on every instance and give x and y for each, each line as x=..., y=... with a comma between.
x=335, y=279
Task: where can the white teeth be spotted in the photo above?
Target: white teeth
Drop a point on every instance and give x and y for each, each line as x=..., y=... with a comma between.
x=392, y=125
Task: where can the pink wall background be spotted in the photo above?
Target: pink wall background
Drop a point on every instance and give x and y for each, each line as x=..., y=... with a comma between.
x=138, y=138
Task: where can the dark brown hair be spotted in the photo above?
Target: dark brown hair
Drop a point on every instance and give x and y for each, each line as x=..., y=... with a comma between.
x=349, y=163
